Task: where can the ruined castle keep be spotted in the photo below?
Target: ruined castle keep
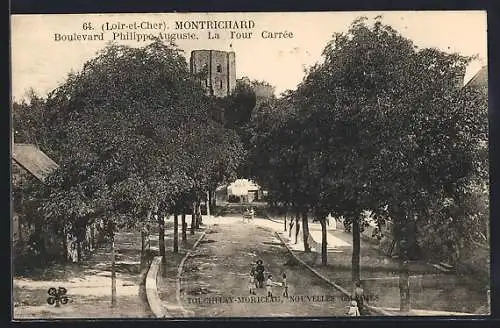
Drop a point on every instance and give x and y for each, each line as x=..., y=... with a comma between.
x=217, y=71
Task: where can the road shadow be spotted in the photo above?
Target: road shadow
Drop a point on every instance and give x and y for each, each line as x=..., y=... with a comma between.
x=272, y=243
x=207, y=241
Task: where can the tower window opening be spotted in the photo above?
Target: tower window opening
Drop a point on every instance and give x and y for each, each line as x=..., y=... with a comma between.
x=219, y=68
x=220, y=82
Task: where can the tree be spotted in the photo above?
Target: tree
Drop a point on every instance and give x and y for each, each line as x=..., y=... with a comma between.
x=380, y=125
x=115, y=135
x=28, y=119
x=239, y=105
x=400, y=101
x=277, y=162
x=126, y=133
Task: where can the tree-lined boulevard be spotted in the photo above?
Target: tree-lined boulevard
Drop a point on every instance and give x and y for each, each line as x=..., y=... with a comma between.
x=380, y=126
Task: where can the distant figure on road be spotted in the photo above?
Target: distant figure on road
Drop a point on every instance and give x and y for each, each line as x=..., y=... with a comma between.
x=358, y=296
x=259, y=269
x=285, y=285
x=332, y=222
x=353, y=309
x=248, y=215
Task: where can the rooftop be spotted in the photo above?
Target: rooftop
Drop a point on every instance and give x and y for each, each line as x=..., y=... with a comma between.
x=33, y=160
x=480, y=79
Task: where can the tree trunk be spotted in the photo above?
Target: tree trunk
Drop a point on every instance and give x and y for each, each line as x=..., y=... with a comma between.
x=176, y=233
x=78, y=251
x=91, y=237
x=404, y=286
x=291, y=226
x=285, y=222
x=213, y=200
x=297, y=228
x=208, y=204
x=38, y=235
x=113, y=271
x=143, y=247
x=143, y=240
x=64, y=244
x=184, y=228
x=193, y=219
x=356, y=249
x=403, y=250
x=161, y=236
x=305, y=231
x=324, y=251
x=199, y=217
x=210, y=200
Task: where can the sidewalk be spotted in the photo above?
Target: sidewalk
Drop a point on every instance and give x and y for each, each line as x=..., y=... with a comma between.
x=167, y=283
x=88, y=286
x=430, y=289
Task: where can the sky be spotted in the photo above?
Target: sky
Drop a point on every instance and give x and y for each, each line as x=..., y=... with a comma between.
x=40, y=62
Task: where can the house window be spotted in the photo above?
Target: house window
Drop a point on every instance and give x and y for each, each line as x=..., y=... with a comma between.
x=220, y=84
x=206, y=83
x=219, y=68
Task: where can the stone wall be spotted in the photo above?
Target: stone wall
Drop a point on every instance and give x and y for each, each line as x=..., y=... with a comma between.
x=220, y=66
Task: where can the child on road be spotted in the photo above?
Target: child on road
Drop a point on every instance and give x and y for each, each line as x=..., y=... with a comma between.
x=359, y=297
x=269, y=285
x=353, y=309
x=251, y=284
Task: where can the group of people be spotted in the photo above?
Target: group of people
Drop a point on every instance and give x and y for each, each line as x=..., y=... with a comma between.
x=257, y=277
x=357, y=305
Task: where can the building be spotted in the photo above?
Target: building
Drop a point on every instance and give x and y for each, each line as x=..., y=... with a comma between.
x=33, y=160
x=31, y=166
x=28, y=163
x=262, y=90
x=480, y=80
x=247, y=191
x=216, y=70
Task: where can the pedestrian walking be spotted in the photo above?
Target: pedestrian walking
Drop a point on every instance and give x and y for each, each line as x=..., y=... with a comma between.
x=285, y=285
x=353, y=309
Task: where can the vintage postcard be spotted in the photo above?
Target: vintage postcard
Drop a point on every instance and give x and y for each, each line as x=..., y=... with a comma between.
x=222, y=165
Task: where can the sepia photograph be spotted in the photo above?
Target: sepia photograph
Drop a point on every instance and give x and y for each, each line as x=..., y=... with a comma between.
x=242, y=165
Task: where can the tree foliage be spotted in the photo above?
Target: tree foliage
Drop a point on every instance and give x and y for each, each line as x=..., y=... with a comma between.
x=131, y=132
x=380, y=125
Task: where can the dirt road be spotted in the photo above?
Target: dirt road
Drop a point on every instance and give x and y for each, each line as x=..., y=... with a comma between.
x=215, y=279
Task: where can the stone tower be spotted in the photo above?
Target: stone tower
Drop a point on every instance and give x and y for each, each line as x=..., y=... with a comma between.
x=219, y=67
